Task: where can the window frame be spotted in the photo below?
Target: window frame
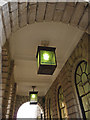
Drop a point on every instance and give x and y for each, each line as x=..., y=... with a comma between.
x=60, y=114
x=77, y=89
x=61, y=104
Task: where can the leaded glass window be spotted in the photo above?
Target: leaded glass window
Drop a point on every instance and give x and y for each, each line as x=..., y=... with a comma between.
x=61, y=104
x=82, y=82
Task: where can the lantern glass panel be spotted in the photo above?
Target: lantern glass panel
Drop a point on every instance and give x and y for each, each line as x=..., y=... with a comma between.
x=47, y=57
x=33, y=97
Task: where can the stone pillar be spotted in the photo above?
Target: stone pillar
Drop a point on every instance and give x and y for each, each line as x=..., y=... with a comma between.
x=7, y=92
x=5, y=68
x=13, y=101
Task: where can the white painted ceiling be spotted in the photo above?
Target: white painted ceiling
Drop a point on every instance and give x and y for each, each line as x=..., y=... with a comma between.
x=23, y=48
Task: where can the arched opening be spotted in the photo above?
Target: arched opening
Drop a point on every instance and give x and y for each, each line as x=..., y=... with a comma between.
x=61, y=104
x=82, y=84
x=28, y=110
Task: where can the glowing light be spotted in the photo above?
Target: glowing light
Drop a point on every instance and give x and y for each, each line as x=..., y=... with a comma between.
x=87, y=0
x=29, y=111
x=46, y=60
x=33, y=96
x=46, y=56
x=62, y=104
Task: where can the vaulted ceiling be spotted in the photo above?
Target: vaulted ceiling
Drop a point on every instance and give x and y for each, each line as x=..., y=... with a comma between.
x=23, y=47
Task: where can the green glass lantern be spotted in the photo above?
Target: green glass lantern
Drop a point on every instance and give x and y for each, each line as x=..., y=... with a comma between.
x=46, y=60
x=33, y=97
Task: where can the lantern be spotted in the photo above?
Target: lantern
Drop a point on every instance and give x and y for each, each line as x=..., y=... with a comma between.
x=33, y=96
x=46, y=60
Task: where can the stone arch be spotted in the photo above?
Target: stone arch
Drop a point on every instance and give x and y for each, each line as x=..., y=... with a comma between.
x=29, y=109
x=15, y=15
x=59, y=85
x=20, y=100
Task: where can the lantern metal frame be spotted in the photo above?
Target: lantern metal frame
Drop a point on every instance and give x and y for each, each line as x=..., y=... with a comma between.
x=46, y=69
x=36, y=93
x=33, y=92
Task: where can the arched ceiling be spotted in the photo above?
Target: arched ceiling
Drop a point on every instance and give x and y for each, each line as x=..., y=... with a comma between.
x=70, y=20
x=23, y=48
x=15, y=15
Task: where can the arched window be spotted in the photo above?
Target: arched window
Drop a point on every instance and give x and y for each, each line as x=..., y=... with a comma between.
x=82, y=82
x=61, y=104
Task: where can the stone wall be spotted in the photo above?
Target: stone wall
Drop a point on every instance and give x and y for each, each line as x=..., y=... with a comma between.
x=7, y=85
x=66, y=80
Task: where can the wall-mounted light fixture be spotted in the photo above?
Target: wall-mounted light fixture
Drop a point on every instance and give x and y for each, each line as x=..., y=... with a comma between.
x=46, y=58
x=33, y=96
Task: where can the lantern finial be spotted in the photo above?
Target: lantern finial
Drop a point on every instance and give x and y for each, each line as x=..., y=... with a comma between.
x=44, y=43
x=33, y=87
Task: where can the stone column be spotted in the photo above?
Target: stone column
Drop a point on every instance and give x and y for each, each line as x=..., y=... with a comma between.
x=13, y=101
x=7, y=92
x=5, y=68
